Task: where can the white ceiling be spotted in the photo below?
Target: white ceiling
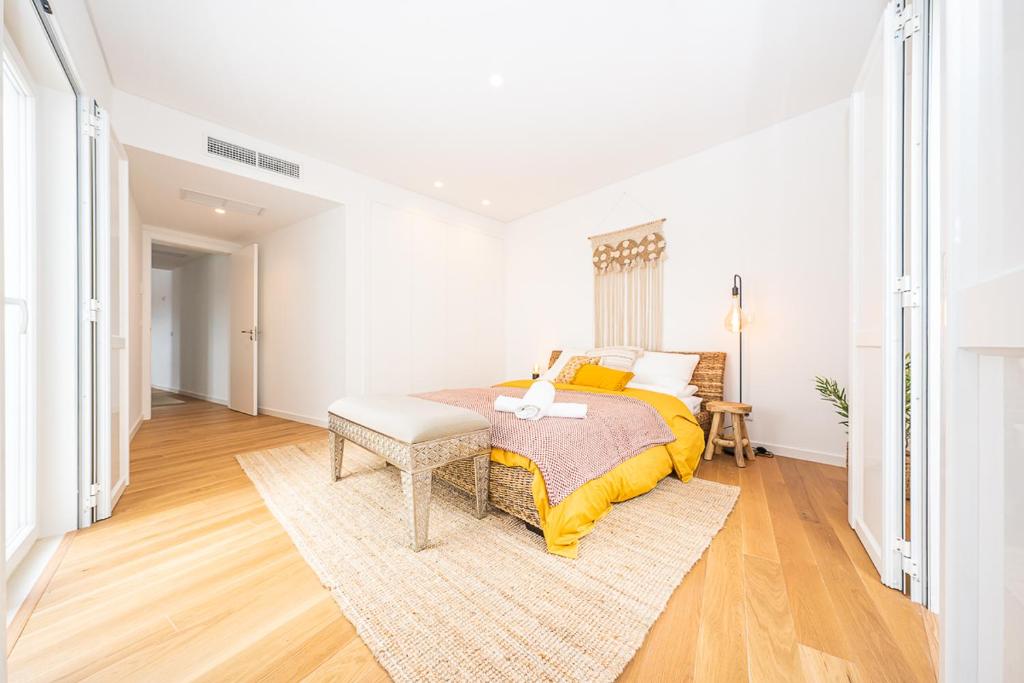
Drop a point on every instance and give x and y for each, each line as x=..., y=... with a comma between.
x=157, y=181
x=594, y=90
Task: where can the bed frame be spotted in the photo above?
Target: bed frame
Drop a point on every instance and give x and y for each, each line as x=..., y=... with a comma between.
x=511, y=488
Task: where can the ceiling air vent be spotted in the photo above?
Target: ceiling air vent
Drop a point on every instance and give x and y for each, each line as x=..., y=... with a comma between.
x=250, y=157
x=282, y=166
x=230, y=150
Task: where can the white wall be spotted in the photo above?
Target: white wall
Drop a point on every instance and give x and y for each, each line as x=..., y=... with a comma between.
x=302, y=317
x=144, y=124
x=438, y=311
x=201, y=291
x=771, y=206
x=191, y=326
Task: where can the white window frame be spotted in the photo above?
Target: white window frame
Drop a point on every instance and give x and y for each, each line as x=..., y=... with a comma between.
x=21, y=541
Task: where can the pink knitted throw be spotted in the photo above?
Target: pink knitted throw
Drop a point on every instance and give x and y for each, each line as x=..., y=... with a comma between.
x=568, y=452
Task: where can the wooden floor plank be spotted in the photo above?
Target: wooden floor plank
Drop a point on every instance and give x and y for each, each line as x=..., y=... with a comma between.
x=875, y=647
x=194, y=578
x=822, y=667
x=670, y=649
x=815, y=618
x=758, y=533
x=772, y=650
x=721, y=650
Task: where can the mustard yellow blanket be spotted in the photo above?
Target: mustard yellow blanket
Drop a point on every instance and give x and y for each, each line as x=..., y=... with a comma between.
x=572, y=519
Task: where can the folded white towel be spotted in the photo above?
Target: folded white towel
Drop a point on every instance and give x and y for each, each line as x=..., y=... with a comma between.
x=536, y=401
x=510, y=404
x=507, y=404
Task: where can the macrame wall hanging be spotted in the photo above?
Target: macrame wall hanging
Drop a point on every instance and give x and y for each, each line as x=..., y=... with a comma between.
x=628, y=277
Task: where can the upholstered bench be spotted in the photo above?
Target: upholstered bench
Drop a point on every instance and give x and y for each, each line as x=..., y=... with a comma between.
x=416, y=436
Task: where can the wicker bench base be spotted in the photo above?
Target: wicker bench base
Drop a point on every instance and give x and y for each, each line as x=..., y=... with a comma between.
x=511, y=488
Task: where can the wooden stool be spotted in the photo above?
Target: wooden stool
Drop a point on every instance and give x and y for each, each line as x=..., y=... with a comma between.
x=740, y=442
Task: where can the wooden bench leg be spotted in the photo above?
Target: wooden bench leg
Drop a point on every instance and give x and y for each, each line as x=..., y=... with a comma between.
x=416, y=487
x=482, y=481
x=709, y=449
x=720, y=440
x=737, y=437
x=337, y=447
x=748, y=449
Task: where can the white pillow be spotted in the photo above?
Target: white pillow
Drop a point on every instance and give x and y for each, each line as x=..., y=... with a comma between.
x=687, y=392
x=617, y=357
x=672, y=370
x=551, y=373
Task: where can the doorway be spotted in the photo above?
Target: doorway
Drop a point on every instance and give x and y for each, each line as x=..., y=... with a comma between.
x=190, y=324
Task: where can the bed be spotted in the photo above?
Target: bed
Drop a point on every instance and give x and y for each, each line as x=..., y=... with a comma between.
x=517, y=487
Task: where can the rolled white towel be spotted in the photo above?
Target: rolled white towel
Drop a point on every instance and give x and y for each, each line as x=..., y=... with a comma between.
x=536, y=401
x=510, y=404
x=507, y=404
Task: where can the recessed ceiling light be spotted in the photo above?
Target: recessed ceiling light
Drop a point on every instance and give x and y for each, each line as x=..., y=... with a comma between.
x=438, y=184
x=497, y=81
x=223, y=203
x=485, y=202
x=220, y=210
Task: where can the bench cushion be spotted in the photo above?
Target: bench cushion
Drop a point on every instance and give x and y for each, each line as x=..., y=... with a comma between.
x=408, y=419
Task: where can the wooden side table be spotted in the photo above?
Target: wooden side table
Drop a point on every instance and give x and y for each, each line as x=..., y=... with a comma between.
x=740, y=443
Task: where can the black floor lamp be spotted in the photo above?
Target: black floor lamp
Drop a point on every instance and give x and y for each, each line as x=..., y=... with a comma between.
x=736, y=320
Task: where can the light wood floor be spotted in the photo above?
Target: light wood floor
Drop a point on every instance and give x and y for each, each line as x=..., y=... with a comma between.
x=193, y=578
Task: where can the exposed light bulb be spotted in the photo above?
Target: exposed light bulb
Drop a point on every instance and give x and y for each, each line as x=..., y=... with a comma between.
x=485, y=202
x=735, y=319
x=220, y=210
x=438, y=184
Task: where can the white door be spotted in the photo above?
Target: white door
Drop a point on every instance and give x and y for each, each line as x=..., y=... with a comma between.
x=113, y=461
x=244, y=329
x=982, y=231
x=870, y=195
x=889, y=298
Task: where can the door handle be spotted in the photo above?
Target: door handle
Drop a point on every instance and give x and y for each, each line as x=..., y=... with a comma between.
x=250, y=333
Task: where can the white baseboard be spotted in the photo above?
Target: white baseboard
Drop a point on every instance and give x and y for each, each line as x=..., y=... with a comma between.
x=203, y=397
x=193, y=394
x=836, y=460
x=294, y=417
x=135, y=428
x=870, y=543
x=119, y=488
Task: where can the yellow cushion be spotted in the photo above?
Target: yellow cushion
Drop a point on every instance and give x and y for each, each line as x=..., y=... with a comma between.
x=601, y=377
x=574, y=364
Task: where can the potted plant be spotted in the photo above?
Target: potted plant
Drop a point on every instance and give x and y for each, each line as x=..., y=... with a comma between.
x=830, y=391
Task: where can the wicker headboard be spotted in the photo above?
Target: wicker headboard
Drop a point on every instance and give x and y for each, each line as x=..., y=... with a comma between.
x=708, y=376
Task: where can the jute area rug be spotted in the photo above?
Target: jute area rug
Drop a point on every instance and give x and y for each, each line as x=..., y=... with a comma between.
x=485, y=601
